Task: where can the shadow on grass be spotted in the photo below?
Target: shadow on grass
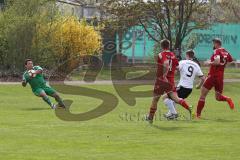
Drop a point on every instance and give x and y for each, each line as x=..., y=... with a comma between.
x=224, y=120
x=220, y=120
x=36, y=109
x=167, y=128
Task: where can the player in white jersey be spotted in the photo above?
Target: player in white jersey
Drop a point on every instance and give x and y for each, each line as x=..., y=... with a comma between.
x=188, y=69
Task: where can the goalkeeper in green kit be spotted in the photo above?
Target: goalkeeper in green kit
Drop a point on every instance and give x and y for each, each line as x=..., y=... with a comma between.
x=34, y=76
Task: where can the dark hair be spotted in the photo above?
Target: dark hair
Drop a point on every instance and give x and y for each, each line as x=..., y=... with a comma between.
x=217, y=40
x=190, y=53
x=27, y=60
x=196, y=60
x=165, y=44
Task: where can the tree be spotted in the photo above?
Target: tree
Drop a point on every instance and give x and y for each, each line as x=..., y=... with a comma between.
x=18, y=24
x=72, y=38
x=170, y=19
x=118, y=18
x=230, y=10
x=35, y=29
x=173, y=20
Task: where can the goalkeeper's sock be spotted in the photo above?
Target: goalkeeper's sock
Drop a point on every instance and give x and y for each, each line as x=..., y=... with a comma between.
x=183, y=103
x=169, y=104
x=47, y=100
x=200, y=107
x=60, y=101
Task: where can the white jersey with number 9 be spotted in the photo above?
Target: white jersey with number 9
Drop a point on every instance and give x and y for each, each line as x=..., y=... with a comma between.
x=188, y=71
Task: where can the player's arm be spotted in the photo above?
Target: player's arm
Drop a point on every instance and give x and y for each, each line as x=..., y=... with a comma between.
x=165, y=65
x=179, y=67
x=24, y=81
x=216, y=61
x=165, y=68
x=202, y=79
x=230, y=59
x=38, y=70
x=227, y=59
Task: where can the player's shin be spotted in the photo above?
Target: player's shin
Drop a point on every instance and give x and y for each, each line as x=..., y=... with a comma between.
x=200, y=106
x=184, y=104
x=169, y=104
x=152, y=112
x=60, y=101
x=220, y=97
x=153, y=107
x=47, y=100
x=178, y=100
x=174, y=104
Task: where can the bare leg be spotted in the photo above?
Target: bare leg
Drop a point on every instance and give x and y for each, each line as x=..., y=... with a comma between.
x=178, y=100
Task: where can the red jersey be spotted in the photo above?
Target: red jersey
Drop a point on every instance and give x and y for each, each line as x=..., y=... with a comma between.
x=173, y=63
x=225, y=57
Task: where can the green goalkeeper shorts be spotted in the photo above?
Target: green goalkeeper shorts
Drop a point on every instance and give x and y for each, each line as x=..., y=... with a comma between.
x=48, y=90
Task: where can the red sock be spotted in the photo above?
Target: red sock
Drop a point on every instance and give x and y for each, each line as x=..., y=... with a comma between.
x=183, y=103
x=152, y=112
x=222, y=98
x=200, y=106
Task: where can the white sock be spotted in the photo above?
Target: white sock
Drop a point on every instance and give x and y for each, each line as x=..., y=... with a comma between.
x=169, y=112
x=170, y=105
x=174, y=104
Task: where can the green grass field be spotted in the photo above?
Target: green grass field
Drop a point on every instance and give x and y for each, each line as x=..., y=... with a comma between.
x=29, y=130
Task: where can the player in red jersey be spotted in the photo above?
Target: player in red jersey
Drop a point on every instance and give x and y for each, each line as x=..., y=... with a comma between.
x=215, y=76
x=167, y=65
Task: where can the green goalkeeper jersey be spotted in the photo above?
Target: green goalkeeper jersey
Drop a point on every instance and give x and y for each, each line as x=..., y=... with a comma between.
x=35, y=82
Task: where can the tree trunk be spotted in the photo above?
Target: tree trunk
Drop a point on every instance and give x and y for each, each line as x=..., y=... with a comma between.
x=178, y=48
x=120, y=39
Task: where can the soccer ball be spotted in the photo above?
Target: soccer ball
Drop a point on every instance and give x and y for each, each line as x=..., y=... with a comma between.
x=32, y=73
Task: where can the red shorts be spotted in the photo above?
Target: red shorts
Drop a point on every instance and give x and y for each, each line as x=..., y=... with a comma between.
x=162, y=86
x=214, y=81
x=172, y=82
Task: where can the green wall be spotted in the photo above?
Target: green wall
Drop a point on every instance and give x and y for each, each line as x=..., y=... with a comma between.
x=229, y=33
